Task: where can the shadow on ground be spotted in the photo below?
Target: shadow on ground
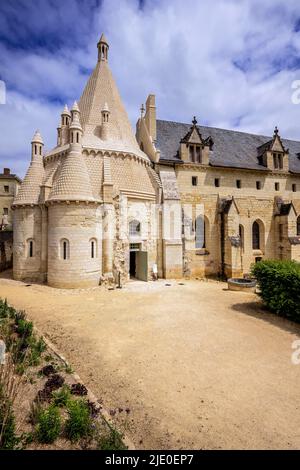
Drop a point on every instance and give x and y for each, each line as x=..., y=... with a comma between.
x=257, y=310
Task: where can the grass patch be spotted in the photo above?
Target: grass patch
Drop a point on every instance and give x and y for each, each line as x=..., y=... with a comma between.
x=62, y=397
x=79, y=423
x=49, y=425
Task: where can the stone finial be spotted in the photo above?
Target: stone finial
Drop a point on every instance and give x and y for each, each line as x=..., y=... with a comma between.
x=194, y=121
x=276, y=131
x=37, y=138
x=103, y=47
x=75, y=107
x=66, y=111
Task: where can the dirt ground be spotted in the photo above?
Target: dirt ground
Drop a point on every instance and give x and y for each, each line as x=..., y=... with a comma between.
x=199, y=367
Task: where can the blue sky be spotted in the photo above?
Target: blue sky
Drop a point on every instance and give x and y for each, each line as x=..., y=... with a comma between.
x=229, y=62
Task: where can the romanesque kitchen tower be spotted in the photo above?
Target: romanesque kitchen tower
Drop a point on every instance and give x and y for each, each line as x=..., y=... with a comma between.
x=67, y=227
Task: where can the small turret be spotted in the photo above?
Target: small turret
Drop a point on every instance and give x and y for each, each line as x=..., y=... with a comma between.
x=75, y=127
x=105, y=113
x=63, y=133
x=37, y=145
x=103, y=49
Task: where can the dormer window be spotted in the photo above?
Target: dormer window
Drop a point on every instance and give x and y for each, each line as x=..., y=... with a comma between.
x=273, y=154
x=278, y=161
x=193, y=148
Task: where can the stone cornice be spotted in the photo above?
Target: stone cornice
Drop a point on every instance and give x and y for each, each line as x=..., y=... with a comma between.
x=98, y=153
x=71, y=201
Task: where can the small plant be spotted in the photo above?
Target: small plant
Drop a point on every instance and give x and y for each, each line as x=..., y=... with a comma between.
x=37, y=347
x=112, y=440
x=49, y=425
x=79, y=423
x=24, y=328
x=55, y=382
x=35, y=411
x=78, y=389
x=8, y=437
x=68, y=369
x=48, y=370
x=62, y=397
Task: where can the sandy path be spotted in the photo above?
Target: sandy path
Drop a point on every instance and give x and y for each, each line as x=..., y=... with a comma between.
x=199, y=366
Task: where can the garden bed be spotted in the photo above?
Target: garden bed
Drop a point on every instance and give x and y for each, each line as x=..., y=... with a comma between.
x=43, y=405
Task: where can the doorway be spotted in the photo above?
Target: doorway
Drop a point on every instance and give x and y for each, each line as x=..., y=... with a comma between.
x=132, y=264
x=138, y=263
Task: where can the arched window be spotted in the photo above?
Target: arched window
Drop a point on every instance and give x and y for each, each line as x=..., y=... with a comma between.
x=256, y=236
x=30, y=248
x=200, y=232
x=93, y=245
x=134, y=228
x=72, y=137
x=77, y=137
x=35, y=149
x=298, y=226
x=64, y=249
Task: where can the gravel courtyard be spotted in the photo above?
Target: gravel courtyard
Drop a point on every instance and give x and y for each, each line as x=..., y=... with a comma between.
x=198, y=366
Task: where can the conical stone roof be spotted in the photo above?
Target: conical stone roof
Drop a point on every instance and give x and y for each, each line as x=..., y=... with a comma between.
x=100, y=93
x=73, y=182
x=29, y=192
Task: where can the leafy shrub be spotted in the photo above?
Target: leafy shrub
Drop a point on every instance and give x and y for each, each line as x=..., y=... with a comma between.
x=62, y=397
x=49, y=425
x=79, y=423
x=112, y=440
x=24, y=328
x=8, y=437
x=279, y=283
x=55, y=382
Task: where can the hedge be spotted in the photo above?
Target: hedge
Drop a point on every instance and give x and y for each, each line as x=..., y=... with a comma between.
x=279, y=283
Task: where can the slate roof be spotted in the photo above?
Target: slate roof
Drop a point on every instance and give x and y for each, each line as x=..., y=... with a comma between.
x=11, y=176
x=232, y=149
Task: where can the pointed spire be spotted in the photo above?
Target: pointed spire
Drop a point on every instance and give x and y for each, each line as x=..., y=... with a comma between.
x=37, y=138
x=66, y=111
x=29, y=191
x=103, y=39
x=75, y=107
x=103, y=47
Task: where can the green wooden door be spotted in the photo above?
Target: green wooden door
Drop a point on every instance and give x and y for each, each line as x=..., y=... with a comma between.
x=142, y=265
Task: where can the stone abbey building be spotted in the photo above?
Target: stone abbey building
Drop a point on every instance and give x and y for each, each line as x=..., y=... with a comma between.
x=176, y=199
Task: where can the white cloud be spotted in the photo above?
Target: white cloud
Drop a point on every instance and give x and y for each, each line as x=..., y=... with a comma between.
x=231, y=63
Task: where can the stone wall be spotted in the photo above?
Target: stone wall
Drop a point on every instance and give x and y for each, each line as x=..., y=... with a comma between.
x=250, y=205
x=6, y=249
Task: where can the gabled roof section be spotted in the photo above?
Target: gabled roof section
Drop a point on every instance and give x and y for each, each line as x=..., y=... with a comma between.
x=194, y=136
x=232, y=149
x=284, y=208
x=275, y=144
